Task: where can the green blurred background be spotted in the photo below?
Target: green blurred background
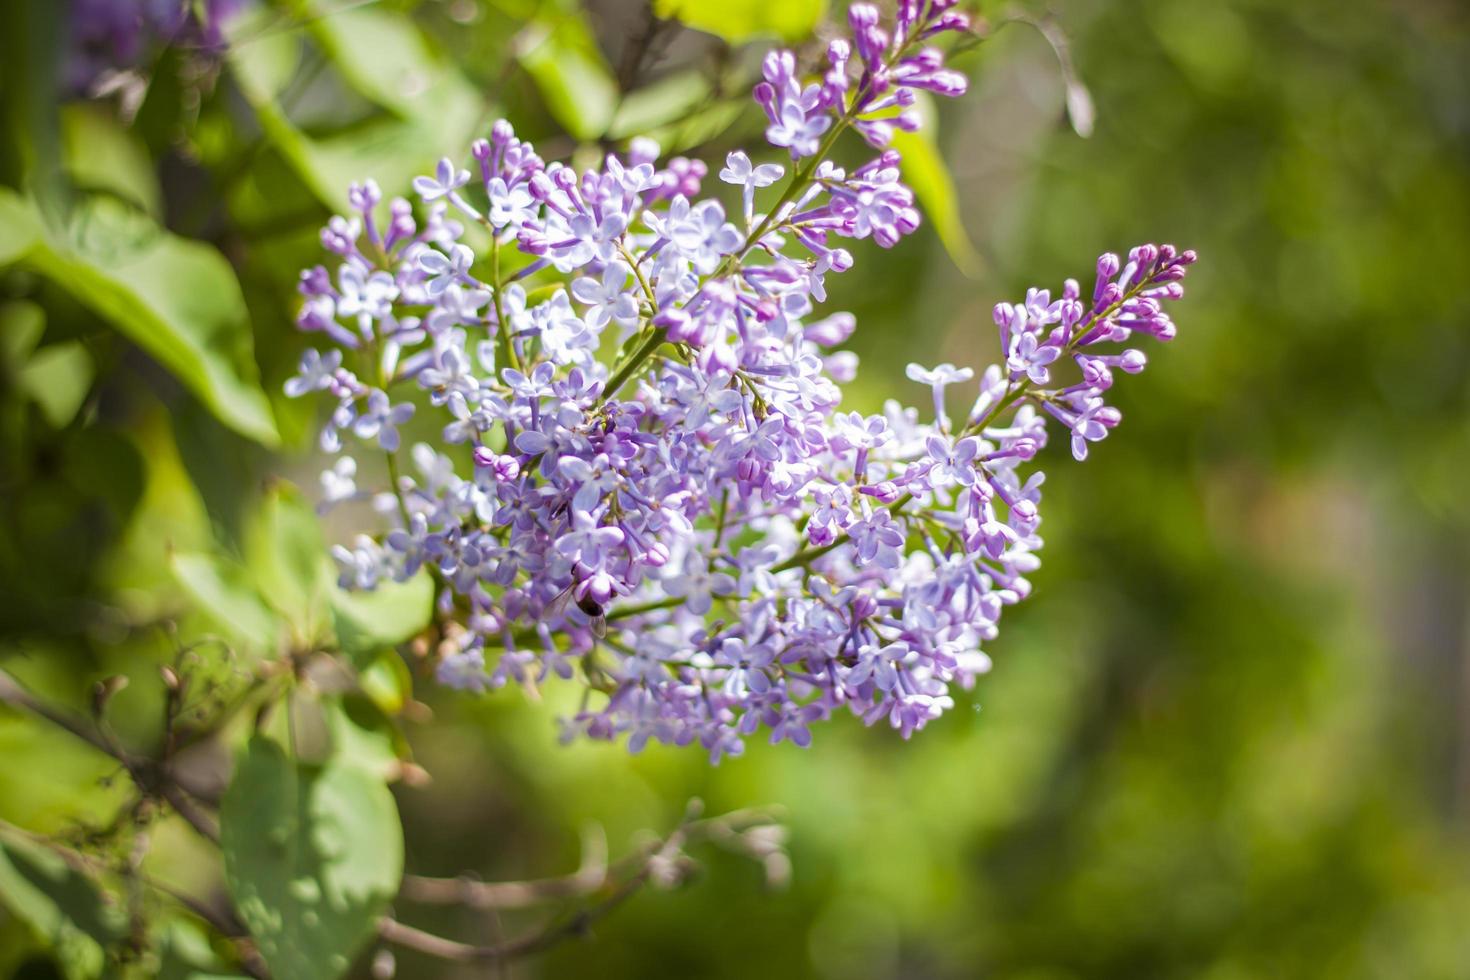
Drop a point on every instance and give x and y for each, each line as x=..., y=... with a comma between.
x=1228, y=737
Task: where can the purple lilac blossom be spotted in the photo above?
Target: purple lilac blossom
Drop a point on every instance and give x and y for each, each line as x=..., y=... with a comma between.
x=698, y=528
x=110, y=35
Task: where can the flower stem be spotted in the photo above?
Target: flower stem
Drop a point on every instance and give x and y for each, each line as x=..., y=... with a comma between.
x=799, y=181
x=644, y=351
x=806, y=556
x=509, y=357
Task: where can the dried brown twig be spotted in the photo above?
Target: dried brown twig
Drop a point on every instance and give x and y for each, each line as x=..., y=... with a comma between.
x=661, y=861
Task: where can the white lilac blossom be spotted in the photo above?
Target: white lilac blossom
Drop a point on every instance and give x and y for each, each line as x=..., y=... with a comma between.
x=697, y=530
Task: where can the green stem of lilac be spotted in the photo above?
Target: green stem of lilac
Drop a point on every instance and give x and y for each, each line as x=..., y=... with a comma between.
x=797, y=185
x=527, y=636
x=508, y=354
x=623, y=612
x=439, y=583
x=806, y=556
x=1013, y=396
x=799, y=181
x=397, y=483
x=644, y=351
x=642, y=282
x=720, y=521
x=1020, y=391
x=802, y=177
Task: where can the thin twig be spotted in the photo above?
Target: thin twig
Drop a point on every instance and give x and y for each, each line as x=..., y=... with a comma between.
x=94, y=867
x=586, y=880
x=590, y=876
x=150, y=777
x=13, y=694
x=594, y=876
x=393, y=931
x=640, y=867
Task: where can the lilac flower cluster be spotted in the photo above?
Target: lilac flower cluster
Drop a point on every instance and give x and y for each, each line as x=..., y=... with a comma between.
x=697, y=530
x=117, y=34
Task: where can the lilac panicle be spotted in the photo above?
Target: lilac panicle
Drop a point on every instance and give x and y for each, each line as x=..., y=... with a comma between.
x=112, y=35
x=696, y=531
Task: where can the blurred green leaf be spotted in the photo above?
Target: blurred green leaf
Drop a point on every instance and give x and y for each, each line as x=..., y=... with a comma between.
x=17, y=944
x=225, y=591
x=702, y=127
x=741, y=20
x=20, y=228
x=380, y=53
x=926, y=171
x=312, y=857
x=32, y=52
x=387, y=682
x=435, y=112
x=101, y=154
x=287, y=558
x=310, y=733
x=185, y=953
x=62, y=907
x=364, y=737
x=21, y=325
x=666, y=101
x=561, y=56
x=369, y=622
x=51, y=780
x=221, y=468
x=128, y=270
x=58, y=377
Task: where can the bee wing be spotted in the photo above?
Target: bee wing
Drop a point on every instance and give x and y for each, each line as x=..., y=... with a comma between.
x=557, y=608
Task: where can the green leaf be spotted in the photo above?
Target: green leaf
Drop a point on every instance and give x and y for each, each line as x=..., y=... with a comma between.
x=563, y=59
x=387, y=682
x=287, y=558
x=185, y=953
x=435, y=111
x=129, y=271
x=21, y=325
x=100, y=153
x=224, y=590
x=312, y=857
x=57, y=378
x=741, y=20
x=369, y=622
x=20, y=228
x=701, y=127
x=52, y=781
x=926, y=172
x=61, y=906
x=365, y=738
x=311, y=733
x=666, y=101
x=381, y=54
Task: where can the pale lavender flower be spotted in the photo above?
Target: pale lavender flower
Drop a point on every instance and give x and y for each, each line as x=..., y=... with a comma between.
x=938, y=378
x=696, y=584
x=740, y=171
x=1029, y=356
x=316, y=373
x=379, y=419
x=607, y=298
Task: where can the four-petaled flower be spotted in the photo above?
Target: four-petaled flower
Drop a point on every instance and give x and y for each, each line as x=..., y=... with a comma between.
x=380, y=420
x=447, y=270
x=739, y=170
